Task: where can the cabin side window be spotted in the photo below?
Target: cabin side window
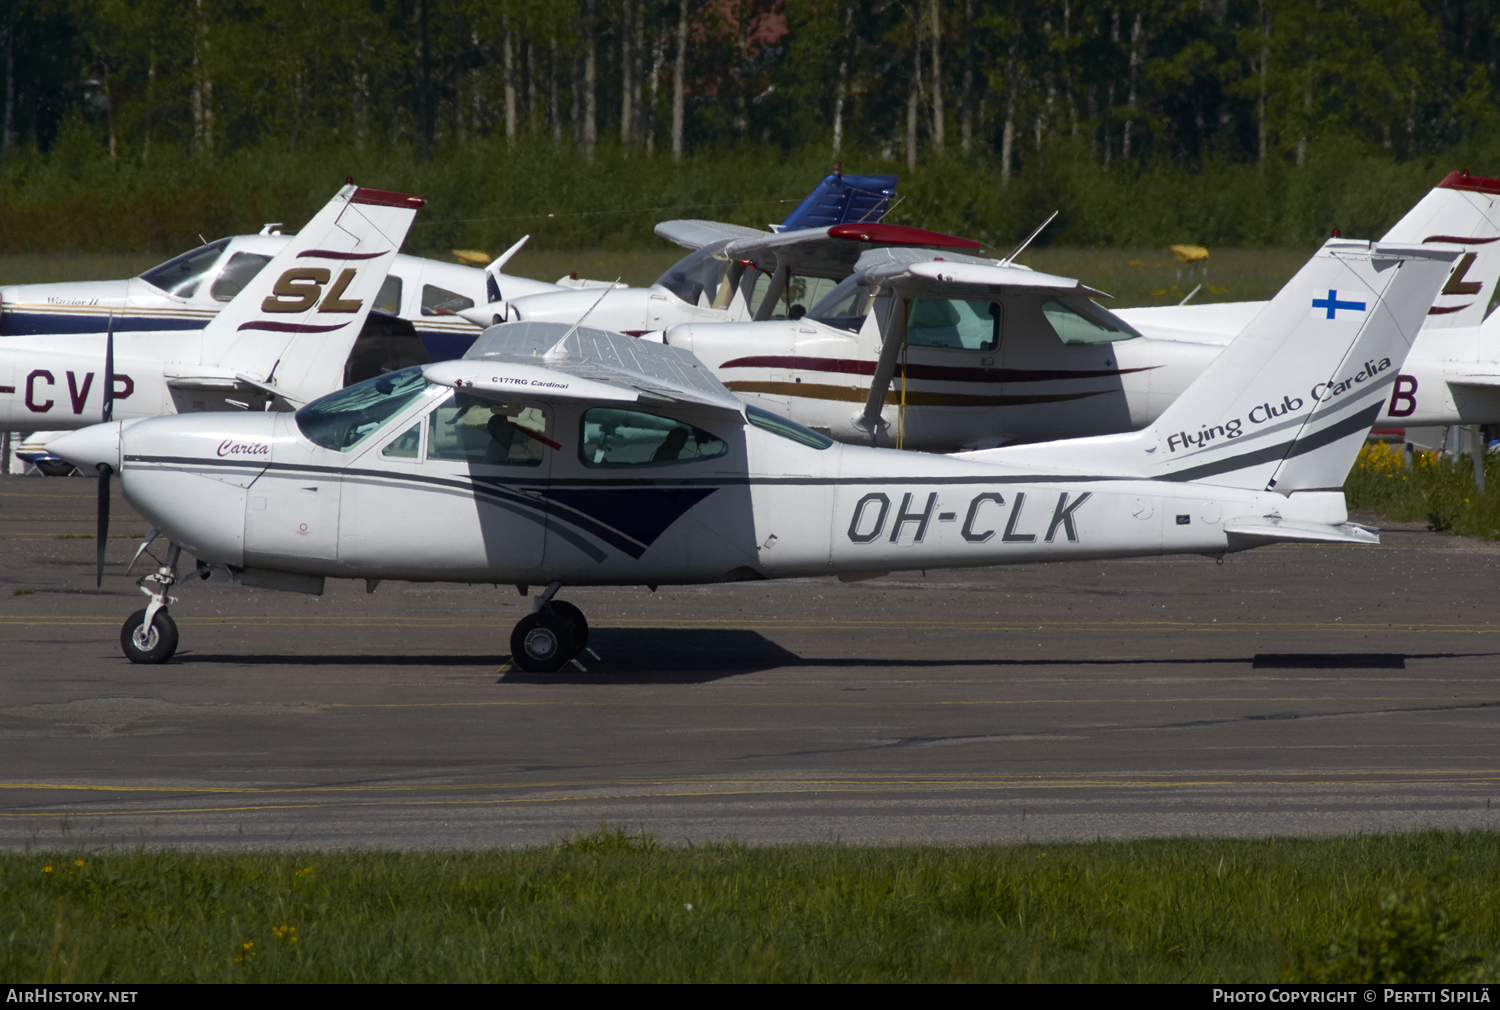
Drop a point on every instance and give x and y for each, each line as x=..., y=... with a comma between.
x=611, y=438
x=239, y=271
x=471, y=429
x=954, y=323
x=1072, y=327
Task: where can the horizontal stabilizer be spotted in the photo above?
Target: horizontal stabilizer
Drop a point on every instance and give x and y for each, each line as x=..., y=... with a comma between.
x=1273, y=529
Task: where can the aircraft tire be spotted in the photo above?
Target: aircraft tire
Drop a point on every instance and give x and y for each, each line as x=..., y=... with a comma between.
x=542, y=643
x=573, y=616
x=154, y=645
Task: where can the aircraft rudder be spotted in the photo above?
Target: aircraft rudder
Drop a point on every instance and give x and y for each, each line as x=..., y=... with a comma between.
x=1307, y=377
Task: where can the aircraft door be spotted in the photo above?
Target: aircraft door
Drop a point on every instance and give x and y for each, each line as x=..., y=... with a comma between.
x=292, y=515
x=493, y=459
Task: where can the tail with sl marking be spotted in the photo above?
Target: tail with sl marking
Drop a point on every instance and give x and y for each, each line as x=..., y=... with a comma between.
x=290, y=329
x=1462, y=210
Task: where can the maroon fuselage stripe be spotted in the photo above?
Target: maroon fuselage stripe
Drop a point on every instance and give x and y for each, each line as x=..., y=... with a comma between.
x=329, y=254
x=936, y=373
x=267, y=324
x=7, y=389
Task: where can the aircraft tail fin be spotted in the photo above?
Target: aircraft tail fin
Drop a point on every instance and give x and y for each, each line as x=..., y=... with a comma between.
x=843, y=199
x=299, y=316
x=1289, y=402
x=1462, y=210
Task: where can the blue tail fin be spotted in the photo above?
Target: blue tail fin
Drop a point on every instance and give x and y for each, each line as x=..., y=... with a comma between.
x=841, y=199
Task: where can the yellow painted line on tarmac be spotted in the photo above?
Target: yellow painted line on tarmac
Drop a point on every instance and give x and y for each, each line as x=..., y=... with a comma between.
x=626, y=792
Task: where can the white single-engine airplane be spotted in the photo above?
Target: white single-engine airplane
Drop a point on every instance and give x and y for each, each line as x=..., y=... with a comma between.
x=299, y=328
x=187, y=291
x=555, y=455
x=938, y=350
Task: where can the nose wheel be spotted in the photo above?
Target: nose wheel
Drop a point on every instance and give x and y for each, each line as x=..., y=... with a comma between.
x=150, y=635
x=551, y=636
x=149, y=643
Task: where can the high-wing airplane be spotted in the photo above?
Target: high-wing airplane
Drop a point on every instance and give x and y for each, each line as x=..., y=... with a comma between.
x=554, y=455
x=933, y=350
x=185, y=292
x=1452, y=375
x=302, y=326
x=735, y=273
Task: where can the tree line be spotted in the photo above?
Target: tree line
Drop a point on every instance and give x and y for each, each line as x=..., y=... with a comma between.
x=1005, y=88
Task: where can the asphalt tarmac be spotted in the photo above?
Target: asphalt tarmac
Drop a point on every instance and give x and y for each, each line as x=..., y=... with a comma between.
x=1288, y=691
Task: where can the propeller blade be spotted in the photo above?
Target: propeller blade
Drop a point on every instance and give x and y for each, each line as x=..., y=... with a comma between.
x=105, y=472
x=109, y=370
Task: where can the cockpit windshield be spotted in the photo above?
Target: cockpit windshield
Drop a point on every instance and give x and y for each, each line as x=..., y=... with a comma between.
x=181, y=275
x=344, y=419
x=698, y=276
x=846, y=306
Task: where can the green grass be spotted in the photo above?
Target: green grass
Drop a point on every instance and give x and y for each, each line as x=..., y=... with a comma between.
x=618, y=908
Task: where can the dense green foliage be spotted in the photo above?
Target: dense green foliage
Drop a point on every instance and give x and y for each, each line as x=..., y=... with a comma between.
x=134, y=125
x=1435, y=489
x=617, y=907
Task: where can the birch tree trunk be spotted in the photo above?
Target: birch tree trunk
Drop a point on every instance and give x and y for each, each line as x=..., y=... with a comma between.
x=554, y=110
x=590, y=128
x=507, y=52
x=1135, y=65
x=10, y=94
x=679, y=71
x=937, y=80
x=626, y=23
x=913, y=98
x=1260, y=101
x=658, y=57
x=966, y=100
x=1008, y=134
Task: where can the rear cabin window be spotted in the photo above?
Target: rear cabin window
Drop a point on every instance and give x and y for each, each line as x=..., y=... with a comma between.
x=437, y=301
x=239, y=271
x=1073, y=328
x=609, y=438
x=954, y=323
x=389, y=299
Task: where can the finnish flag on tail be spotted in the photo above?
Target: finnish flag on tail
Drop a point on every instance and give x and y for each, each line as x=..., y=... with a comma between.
x=1346, y=306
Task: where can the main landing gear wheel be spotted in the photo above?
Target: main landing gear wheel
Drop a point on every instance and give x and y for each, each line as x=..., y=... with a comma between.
x=573, y=616
x=542, y=642
x=155, y=644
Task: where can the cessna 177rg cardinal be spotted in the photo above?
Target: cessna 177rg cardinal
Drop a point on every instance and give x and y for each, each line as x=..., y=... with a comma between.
x=555, y=455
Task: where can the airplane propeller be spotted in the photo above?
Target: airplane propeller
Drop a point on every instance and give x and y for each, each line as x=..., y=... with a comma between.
x=105, y=472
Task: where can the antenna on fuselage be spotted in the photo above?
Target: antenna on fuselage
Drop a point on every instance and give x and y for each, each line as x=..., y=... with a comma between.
x=1018, y=250
x=559, y=350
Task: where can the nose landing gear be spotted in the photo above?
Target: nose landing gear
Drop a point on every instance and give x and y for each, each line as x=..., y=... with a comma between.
x=551, y=636
x=150, y=635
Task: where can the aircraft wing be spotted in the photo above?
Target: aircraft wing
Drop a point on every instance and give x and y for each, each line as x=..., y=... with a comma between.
x=696, y=234
x=553, y=361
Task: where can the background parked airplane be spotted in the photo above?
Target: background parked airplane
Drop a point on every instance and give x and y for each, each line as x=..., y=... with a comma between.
x=300, y=327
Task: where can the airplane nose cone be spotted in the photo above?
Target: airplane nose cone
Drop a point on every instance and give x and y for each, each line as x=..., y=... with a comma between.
x=88, y=447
